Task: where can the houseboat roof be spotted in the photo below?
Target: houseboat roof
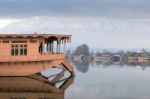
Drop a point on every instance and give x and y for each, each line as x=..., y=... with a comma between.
x=34, y=35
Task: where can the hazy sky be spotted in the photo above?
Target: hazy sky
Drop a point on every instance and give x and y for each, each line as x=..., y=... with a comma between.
x=99, y=23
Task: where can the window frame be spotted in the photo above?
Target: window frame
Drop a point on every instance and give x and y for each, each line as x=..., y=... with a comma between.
x=19, y=50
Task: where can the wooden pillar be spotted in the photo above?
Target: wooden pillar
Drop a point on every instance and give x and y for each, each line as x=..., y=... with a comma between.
x=52, y=47
x=59, y=41
x=47, y=46
x=57, y=48
x=64, y=45
x=42, y=50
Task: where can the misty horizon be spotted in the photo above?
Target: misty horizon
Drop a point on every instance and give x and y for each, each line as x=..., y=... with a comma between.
x=103, y=24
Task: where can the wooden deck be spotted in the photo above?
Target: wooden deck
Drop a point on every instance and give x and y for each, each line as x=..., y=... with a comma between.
x=39, y=57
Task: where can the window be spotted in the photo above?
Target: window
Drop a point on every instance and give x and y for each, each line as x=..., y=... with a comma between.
x=25, y=51
x=18, y=50
x=12, y=52
x=5, y=41
x=21, y=51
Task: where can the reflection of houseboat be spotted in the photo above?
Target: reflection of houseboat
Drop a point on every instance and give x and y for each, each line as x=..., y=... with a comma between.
x=77, y=58
x=143, y=57
x=34, y=87
x=131, y=58
x=26, y=54
x=103, y=58
x=140, y=57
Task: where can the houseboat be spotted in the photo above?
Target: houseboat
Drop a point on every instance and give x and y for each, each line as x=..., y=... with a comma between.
x=27, y=54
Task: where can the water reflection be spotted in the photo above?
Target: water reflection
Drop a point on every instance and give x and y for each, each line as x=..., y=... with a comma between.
x=83, y=65
x=34, y=87
x=111, y=80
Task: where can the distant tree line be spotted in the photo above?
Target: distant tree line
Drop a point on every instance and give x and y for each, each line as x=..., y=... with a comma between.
x=82, y=50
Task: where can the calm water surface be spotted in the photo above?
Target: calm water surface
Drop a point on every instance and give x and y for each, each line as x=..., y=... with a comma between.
x=92, y=81
x=103, y=81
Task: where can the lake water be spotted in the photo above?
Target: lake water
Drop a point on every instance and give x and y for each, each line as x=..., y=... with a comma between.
x=110, y=81
x=92, y=81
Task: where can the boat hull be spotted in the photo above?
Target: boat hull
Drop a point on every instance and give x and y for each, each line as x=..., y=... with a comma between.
x=26, y=68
